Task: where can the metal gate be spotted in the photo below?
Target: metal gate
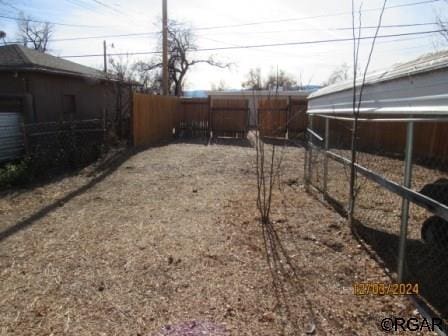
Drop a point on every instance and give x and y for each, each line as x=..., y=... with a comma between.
x=11, y=136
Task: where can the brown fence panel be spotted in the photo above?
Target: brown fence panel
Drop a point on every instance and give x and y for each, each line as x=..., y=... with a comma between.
x=297, y=119
x=194, y=115
x=154, y=118
x=272, y=117
x=388, y=138
x=229, y=116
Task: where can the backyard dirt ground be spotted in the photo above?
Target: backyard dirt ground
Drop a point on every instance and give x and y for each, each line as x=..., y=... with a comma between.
x=167, y=241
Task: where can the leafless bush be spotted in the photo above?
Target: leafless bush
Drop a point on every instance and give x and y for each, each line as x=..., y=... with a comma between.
x=357, y=100
x=265, y=180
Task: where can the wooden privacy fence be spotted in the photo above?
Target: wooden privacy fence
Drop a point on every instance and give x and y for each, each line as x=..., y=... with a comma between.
x=273, y=117
x=194, y=116
x=279, y=116
x=154, y=118
x=297, y=119
x=229, y=116
x=388, y=137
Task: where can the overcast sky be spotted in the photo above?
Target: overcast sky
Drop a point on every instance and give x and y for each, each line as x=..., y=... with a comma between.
x=238, y=23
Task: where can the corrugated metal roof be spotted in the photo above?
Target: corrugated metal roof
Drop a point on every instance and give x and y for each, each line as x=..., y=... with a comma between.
x=17, y=57
x=425, y=63
x=261, y=93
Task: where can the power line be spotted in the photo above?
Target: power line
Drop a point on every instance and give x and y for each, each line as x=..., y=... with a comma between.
x=51, y=22
x=129, y=10
x=404, y=25
x=107, y=6
x=314, y=17
x=78, y=3
x=103, y=36
x=112, y=8
x=320, y=53
x=93, y=37
x=210, y=27
x=9, y=5
x=81, y=5
x=275, y=31
x=266, y=45
x=332, y=52
x=92, y=6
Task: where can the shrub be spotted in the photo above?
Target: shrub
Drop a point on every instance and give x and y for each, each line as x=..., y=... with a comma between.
x=15, y=173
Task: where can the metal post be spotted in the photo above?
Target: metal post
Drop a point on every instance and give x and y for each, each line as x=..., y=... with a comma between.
x=405, y=202
x=305, y=163
x=309, y=153
x=326, y=145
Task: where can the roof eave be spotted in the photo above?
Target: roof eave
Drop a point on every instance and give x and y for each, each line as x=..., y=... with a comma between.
x=28, y=68
x=327, y=90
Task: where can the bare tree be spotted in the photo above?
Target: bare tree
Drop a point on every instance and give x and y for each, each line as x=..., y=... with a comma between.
x=339, y=74
x=443, y=25
x=357, y=98
x=280, y=79
x=253, y=80
x=3, y=37
x=181, y=43
x=123, y=84
x=34, y=34
x=150, y=78
x=267, y=166
x=301, y=84
x=122, y=68
x=274, y=81
x=265, y=171
x=220, y=86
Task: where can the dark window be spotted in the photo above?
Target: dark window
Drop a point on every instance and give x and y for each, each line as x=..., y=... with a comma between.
x=69, y=105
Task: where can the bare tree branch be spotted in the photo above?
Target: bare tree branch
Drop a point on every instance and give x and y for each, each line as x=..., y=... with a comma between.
x=443, y=25
x=357, y=101
x=121, y=68
x=33, y=34
x=253, y=81
x=339, y=74
x=3, y=37
x=276, y=79
x=181, y=43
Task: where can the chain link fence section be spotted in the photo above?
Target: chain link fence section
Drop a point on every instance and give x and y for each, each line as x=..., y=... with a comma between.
x=426, y=257
x=329, y=173
x=400, y=196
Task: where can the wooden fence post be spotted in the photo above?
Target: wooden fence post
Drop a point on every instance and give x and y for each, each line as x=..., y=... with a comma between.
x=210, y=118
x=131, y=116
x=288, y=117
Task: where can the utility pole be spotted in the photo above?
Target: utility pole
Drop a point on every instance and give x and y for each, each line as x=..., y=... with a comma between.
x=165, y=47
x=105, y=56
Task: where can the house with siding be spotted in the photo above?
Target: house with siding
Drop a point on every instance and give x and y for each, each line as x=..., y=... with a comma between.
x=37, y=87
